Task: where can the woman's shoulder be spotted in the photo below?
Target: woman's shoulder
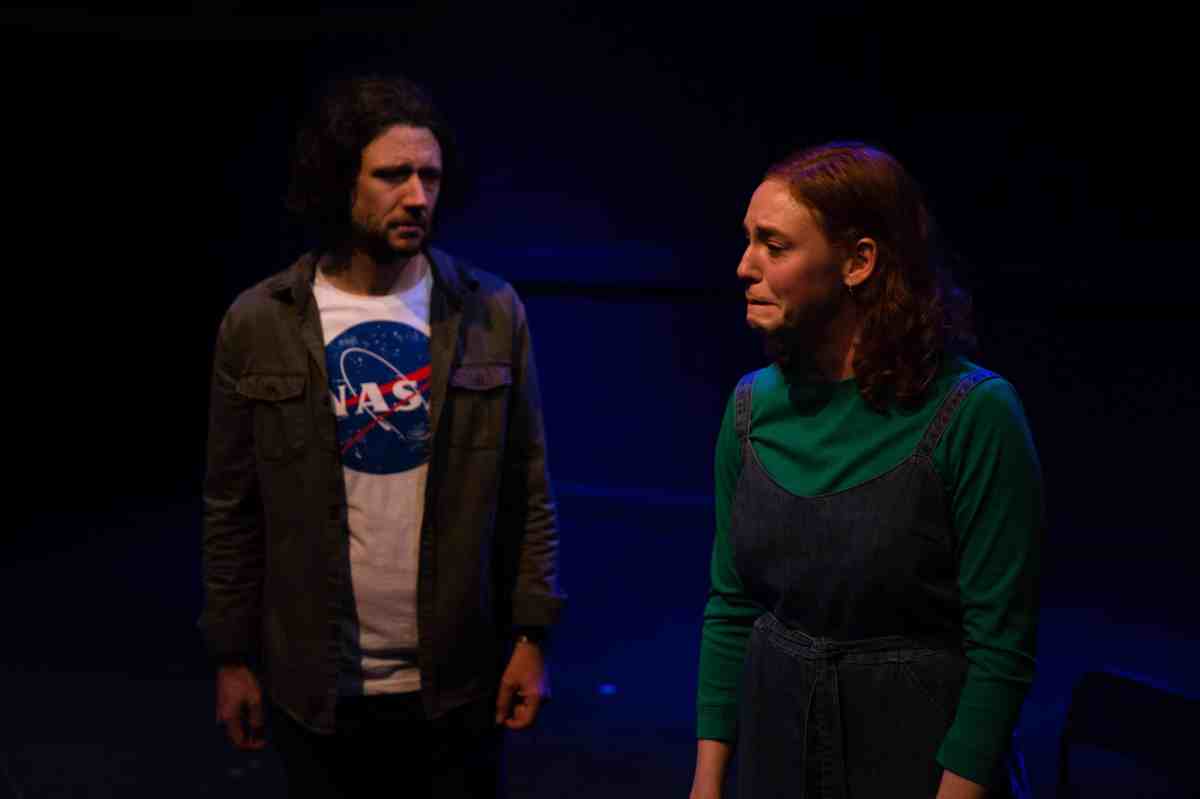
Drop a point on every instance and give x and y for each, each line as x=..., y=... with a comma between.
x=990, y=412
x=985, y=388
x=990, y=394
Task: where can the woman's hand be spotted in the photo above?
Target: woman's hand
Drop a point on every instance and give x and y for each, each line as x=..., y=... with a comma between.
x=712, y=758
x=956, y=787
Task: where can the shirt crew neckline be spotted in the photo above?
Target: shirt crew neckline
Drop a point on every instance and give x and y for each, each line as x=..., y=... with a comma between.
x=421, y=284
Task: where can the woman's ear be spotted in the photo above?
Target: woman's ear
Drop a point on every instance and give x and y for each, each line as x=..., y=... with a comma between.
x=860, y=264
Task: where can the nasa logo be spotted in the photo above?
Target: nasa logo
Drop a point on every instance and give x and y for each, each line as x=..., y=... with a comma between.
x=379, y=375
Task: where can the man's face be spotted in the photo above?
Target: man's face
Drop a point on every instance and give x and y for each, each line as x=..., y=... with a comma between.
x=792, y=273
x=391, y=206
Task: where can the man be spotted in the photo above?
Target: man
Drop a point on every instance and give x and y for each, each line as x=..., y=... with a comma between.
x=380, y=538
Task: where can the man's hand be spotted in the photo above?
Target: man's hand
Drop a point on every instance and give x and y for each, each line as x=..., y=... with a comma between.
x=523, y=687
x=240, y=707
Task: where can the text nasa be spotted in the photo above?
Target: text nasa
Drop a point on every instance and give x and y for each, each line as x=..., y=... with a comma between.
x=370, y=398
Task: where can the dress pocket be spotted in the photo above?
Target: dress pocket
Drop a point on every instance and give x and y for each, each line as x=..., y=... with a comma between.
x=939, y=677
x=279, y=413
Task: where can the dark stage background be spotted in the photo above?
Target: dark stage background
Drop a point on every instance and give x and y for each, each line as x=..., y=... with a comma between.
x=611, y=154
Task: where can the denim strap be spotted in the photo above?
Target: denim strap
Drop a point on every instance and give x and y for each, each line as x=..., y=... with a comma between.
x=945, y=413
x=741, y=407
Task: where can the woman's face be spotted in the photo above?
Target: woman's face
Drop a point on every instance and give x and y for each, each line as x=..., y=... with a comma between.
x=792, y=273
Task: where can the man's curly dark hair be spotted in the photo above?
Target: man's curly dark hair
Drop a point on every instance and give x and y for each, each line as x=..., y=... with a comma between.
x=349, y=115
x=911, y=311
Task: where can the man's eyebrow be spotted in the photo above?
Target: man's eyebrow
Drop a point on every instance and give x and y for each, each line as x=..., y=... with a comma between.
x=407, y=166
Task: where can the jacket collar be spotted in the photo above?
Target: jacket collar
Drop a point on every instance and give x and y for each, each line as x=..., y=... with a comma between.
x=294, y=285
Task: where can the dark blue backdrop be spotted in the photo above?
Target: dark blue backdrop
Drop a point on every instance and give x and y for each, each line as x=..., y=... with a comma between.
x=610, y=157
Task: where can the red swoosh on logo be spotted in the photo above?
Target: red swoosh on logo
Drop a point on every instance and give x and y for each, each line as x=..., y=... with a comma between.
x=421, y=375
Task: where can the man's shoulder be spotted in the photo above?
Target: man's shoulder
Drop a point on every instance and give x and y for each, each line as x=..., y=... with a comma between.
x=255, y=299
x=265, y=295
x=473, y=281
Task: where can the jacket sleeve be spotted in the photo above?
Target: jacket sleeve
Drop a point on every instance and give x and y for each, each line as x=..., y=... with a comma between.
x=232, y=544
x=528, y=519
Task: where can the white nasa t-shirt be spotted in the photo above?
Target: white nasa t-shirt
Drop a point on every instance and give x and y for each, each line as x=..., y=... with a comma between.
x=377, y=357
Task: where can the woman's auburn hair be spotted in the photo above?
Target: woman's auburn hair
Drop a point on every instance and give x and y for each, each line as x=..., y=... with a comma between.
x=911, y=311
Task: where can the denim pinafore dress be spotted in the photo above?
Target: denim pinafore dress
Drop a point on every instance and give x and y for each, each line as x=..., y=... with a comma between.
x=853, y=674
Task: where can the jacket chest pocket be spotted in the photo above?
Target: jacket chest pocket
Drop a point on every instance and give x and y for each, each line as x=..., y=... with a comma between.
x=477, y=400
x=280, y=414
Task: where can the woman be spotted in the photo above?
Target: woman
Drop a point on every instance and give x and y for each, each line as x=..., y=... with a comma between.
x=870, y=627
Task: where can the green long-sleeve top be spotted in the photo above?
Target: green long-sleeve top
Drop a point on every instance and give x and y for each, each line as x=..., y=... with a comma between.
x=816, y=439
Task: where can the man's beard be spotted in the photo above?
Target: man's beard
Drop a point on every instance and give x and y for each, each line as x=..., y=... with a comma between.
x=379, y=246
x=805, y=330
